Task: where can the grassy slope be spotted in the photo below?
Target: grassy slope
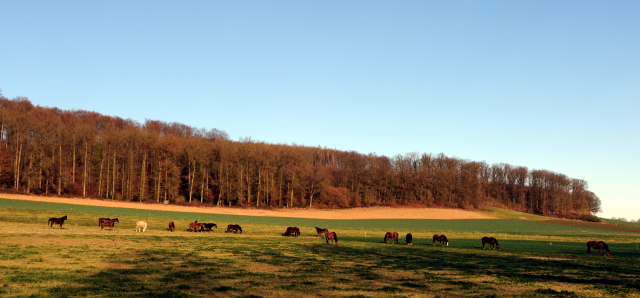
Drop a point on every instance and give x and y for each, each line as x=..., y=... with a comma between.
x=511, y=222
x=80, y=260
x=620, y=222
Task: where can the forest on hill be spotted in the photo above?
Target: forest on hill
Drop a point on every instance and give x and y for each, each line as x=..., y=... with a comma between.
x=46, y=150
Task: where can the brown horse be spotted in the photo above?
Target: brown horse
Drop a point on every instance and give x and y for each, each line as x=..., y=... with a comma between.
x=292, y=231
x=321, y=232
x=600, y=245
x=108, y=223
x=56, y=220
x=234, y=228
x=331, y=236
x=441, y=239
x=391, y=235
x=172, y=226
x=101, y=219
x=409, y=239
x=491, y=241
x=194, y=226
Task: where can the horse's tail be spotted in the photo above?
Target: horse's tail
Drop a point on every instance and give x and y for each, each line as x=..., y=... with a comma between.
x=49, y=222
x=335, y=238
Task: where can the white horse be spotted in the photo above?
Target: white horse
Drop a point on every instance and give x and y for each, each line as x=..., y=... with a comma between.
x=141, y=225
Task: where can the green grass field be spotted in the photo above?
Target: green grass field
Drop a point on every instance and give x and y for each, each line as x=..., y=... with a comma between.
x=537, y=257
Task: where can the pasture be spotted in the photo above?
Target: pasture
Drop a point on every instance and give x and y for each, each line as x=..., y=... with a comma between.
x=536, y=258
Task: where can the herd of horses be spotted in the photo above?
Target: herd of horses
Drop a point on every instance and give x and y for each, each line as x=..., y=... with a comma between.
x=392, y=237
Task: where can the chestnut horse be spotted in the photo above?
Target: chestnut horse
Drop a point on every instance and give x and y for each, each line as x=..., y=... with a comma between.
x=234, y=228
x=108, y=223
x=172, y=226
x=491, y=241
x=600, y=245
x=141, y=225
x=321, y=232
x=194, y=226
x=391, y=235
x=331, y=236
x=409, y=239
x=292, y=231
x=441, y=239
x=55, y=220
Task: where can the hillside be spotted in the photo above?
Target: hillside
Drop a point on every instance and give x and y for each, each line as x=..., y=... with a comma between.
x=85, y=154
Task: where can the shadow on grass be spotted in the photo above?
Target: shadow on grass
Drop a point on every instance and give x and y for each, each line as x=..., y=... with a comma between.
x=516, y=268
x=250, y=267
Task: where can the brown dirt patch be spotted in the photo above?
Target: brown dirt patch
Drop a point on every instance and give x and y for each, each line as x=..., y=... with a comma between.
x=351, y=213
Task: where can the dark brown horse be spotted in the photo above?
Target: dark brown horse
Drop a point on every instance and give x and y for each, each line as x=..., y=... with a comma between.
x=600, y=245
x=101, y=219
x=108, y=223
x=292, y=231
x=234, y=228
x=321, y=232
x=491, y=241
x=208, y=226
x=57, y=221
x=409, y=239
x=331, y=236
x=442, y=239
x=391, y=235
x=172, y=226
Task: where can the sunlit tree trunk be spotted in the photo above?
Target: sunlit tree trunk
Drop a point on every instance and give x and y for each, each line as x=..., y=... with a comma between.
x=60, y=174
x=100, y=179
x=84, y=174
x=113, y=180
x=143, y=174
x=221, y=183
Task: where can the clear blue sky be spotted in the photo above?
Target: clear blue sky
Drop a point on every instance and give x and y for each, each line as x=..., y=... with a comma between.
x=551, y=85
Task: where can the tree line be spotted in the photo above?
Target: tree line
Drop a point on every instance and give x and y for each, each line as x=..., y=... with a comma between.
x=46, y=150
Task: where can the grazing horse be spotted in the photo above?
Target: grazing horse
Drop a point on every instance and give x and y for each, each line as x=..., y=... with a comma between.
x=409, y=239
x=208, y=226
x=141, y=225
x=55, y=220
x=331, y=236
x=172, y=226
x=391, y=235
x=321, y=232
x=108, y=223
x=194, y=226
x=600, y=245
x=441, y=239
x=491, y=241
x=234, y=228
x=292, y=231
